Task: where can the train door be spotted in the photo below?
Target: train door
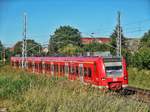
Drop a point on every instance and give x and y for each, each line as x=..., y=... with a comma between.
x=43, y=67
x=52, y=68
x=20, y=63
x=47, y=67
x=33, y=67
x=66, y=69
x=81, y=72
x=56, y=69
x=29, y=66
x=36, y=67
x=40, y=67
x=76, y=70
x=62, y=69
x=72, y=71
x=88, y=73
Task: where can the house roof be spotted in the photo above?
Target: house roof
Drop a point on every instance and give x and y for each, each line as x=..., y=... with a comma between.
x=102, y=39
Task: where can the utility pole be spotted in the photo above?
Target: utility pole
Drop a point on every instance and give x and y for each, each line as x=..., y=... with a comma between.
x=118, y=39
x=24, y=42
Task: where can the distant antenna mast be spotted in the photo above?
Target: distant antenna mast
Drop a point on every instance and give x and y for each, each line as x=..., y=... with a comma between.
x=118, y=39
x=24, y=42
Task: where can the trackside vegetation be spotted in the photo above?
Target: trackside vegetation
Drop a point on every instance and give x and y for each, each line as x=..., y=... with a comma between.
x=26, y=92
x=139, y=78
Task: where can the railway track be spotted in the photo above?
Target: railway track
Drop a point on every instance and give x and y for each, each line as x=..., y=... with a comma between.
x=139, y=94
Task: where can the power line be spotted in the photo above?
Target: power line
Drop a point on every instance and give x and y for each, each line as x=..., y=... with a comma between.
x=135, y=23
x=126, y=26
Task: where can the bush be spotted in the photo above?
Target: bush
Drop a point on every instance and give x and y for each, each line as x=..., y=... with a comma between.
x=139, y=78
x=141, y=59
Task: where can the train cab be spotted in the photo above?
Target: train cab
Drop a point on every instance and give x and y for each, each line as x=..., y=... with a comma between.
x=115, y=75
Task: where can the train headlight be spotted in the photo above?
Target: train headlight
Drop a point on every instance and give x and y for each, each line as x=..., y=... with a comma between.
x=125, y=78
x=104, y=78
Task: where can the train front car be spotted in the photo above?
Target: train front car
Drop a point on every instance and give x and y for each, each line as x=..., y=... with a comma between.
x=116, y=75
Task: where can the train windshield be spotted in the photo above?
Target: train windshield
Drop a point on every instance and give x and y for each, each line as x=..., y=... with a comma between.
x=113, y=67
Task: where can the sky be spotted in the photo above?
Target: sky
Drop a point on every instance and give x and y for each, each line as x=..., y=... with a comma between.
x=89, y=16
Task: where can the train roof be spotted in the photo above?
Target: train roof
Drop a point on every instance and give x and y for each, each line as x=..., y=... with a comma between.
x=58, y=58
x=93, y=58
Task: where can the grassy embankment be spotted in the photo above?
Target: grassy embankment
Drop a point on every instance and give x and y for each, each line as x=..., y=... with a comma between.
x=139, y=78
x=26, y=92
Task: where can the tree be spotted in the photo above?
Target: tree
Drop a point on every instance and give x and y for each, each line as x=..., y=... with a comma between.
x=95, y=46
x=64, y=36
x=145, y=41
x=70, y=50
x=141, y=58
x=1, y=50
x=114, y=42
x=33, y=48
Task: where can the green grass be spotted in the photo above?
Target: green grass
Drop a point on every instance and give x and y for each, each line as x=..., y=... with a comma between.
x=139, y=78
x=26, y=92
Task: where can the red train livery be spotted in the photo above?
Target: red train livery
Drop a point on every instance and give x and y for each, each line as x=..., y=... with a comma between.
x=101, y=72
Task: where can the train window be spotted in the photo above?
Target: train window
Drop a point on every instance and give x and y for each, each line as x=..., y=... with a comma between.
x=77, y=71
x=49, y=67
x=52, y=67
x=81, y=71
x=27, y=64
x=20, y=64
x=31, y=65
x=43, y=65
x=46, y=67
x=66, y=69
x=85, y=71
x=40, y=65
x=56, y=67
x=62, y=68
x=113, y=69
x=89, y=72
x=72, y=70
x=69, y=69
x=34, y=66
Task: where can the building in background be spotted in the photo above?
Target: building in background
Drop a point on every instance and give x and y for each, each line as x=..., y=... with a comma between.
x=88, y=40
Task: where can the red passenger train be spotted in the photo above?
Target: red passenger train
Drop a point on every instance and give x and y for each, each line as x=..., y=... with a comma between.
x=101, y=72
